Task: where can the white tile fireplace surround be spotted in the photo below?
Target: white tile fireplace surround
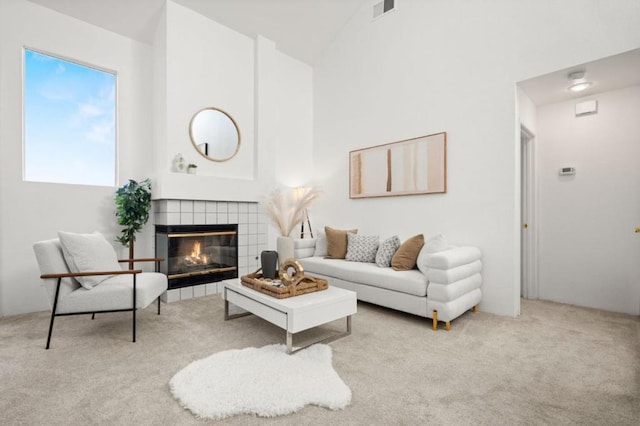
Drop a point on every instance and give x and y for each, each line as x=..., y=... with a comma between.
x=252, y=233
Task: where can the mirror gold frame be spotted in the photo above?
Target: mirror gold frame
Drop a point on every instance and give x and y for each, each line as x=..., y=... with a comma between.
x=214, y=134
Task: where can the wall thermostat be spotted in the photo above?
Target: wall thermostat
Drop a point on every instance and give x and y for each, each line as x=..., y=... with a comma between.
x=567, y=171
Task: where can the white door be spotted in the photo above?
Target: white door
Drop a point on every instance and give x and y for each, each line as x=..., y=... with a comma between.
x=528, y=255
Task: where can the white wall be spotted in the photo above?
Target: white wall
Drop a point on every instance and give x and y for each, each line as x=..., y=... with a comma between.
x=34, y=211
x=206, y=64
x=268, y=93
x=295, y=115
x=194, y=62
x=527, y=111
x=451, y=66
x=588, y=253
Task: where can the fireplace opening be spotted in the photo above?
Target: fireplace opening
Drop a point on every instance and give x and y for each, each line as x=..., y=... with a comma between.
x=197, y=254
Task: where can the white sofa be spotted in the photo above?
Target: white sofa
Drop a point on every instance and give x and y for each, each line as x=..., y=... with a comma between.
x=449, y=287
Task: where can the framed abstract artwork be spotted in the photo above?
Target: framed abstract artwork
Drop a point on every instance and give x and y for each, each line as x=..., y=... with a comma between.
x=409, y=167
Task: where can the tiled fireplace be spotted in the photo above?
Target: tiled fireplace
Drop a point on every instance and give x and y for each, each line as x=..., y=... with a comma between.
x=197, y=254
x=251, y=239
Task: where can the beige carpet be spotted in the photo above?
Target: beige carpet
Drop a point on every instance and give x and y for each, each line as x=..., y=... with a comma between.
x=556, y=364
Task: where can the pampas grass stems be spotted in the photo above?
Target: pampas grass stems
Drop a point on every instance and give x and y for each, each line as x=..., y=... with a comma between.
x=287, y=211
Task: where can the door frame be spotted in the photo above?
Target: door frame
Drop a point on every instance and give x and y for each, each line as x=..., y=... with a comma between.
x=528, y=199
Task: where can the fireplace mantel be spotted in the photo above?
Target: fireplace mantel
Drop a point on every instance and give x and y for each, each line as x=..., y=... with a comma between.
x=184, y=186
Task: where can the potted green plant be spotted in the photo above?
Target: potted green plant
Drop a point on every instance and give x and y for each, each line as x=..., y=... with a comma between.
x=191, y=168
x=133, y=202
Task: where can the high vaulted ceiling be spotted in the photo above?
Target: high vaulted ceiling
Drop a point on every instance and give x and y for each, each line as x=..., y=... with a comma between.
x=301, y=28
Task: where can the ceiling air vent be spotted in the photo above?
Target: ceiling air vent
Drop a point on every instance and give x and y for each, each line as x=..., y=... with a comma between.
x=382, y=8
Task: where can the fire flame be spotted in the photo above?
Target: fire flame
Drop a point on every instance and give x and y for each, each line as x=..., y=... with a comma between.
x=196, y=258
x=196, y=250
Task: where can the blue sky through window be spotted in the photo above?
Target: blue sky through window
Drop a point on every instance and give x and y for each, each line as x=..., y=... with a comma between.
x=69, y=122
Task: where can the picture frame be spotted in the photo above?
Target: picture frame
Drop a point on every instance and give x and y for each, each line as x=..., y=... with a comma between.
x=408, y=167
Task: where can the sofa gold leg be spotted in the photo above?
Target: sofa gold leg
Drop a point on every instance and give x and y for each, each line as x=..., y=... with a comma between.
x=474, y=309
x=447, y=325
x=435, y=320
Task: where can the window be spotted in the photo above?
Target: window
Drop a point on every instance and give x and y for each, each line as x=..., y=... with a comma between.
x=69, y=122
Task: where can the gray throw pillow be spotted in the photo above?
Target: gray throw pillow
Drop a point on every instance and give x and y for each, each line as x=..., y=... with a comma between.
x=386, y=251
x=362, y=248
x=89, y=253
x=321, y=245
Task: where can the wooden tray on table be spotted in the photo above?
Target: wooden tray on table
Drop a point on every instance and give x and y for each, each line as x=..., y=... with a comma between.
x=286, y=286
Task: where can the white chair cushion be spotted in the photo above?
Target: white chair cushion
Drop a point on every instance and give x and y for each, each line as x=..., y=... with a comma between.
x=88, y=253
x=115, y=293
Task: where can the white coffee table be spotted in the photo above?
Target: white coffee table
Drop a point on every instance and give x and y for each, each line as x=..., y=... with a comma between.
x=293, y=314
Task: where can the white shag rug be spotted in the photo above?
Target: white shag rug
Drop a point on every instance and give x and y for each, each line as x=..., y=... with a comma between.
x=263, y=381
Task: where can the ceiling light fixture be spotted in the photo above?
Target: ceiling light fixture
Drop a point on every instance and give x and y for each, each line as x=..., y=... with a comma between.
x=579, y=82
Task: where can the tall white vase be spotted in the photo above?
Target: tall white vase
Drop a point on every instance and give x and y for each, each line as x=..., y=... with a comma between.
x=284, y=245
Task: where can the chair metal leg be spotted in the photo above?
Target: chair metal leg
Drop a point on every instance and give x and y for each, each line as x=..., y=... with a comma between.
x=53, y=312
x=93, y=315
x=158, y=305
x=53, y=315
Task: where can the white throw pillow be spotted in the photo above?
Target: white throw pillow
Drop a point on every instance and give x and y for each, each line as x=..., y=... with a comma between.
x=362, y=248
x=432, y=245
x=386, y=251
x=88, y=253
x=321, y=244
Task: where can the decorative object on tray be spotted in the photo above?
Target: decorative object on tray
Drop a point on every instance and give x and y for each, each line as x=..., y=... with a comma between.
x=192, y=168
x=269, y=263
x=289, y=285
x=298, y=271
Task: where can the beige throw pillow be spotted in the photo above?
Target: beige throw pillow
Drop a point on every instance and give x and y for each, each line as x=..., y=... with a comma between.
x=407, y=254
x=337, y=242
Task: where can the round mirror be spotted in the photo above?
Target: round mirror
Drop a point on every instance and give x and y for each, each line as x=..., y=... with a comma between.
x=214, y=134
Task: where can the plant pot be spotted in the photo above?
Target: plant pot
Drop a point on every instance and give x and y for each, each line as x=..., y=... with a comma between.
x=191, y=170
x=285, y=248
